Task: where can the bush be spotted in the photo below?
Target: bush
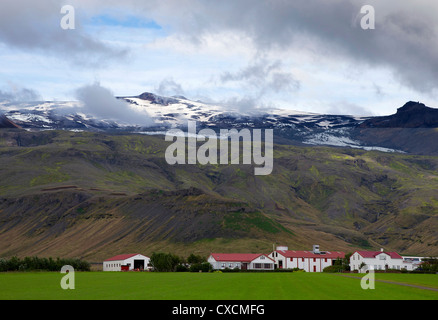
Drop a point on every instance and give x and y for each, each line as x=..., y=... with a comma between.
x=181, y=268
x=333, y=269
x=164, y=262
x=204, y=267
x=43, y=264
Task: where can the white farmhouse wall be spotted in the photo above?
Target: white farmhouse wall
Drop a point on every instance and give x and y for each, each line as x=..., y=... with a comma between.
x=381, y=261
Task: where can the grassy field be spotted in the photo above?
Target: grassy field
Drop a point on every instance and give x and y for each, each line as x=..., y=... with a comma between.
x=211, y=286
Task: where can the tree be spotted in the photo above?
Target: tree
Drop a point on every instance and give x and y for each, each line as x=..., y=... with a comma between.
x=164, y=262
x=192, y=259
x=429, y=265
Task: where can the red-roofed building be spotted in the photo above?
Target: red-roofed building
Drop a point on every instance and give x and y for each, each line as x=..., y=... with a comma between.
x=126, y=262
x=309, y=261
x=376, y=260
x=244, y=261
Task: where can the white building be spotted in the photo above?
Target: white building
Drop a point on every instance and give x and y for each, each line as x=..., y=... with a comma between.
x=412, y=263
x=243, y=261
x=376, y=260
x=309, y=261
x=126, y=262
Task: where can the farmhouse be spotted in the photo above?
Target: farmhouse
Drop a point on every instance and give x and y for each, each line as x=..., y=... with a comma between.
x=126, y=262
x=376, y=260
x=309, y=261
x=243, y=261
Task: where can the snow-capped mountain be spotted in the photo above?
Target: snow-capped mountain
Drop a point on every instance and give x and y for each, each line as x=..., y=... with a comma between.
x=292, y=127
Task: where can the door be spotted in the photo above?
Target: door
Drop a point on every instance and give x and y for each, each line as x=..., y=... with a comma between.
x=139, y=264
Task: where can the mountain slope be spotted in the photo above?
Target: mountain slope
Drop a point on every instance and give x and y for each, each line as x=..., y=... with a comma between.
x=94, y=194
x=6, y=123
x=411, y=115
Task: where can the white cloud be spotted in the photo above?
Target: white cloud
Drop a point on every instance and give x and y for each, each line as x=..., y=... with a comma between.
x=100, y=102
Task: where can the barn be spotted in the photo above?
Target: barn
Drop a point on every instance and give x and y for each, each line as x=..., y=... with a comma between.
x=126, y=262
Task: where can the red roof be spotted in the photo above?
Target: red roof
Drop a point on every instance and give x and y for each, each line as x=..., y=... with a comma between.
x=122, y=257
x=237, y=257
x=373, y=254
x=310, y=254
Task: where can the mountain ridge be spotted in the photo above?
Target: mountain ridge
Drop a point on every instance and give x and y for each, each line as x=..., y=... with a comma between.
x=411, y=130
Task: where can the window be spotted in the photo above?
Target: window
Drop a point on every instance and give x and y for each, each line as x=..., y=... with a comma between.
x=262, y=257
x=223, y=265
x=267, y=266
x=257, y=265
x=230, y=265
x=314, y=259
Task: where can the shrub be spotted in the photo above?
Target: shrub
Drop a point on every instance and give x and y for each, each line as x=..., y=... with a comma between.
x=204, y=267
x=164, y=262
x=43, y=264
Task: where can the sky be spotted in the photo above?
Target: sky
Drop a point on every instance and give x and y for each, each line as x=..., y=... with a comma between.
x=305, y=55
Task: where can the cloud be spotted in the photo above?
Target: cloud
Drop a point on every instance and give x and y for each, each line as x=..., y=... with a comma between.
x=405, y=39
x=169, y=87
x=348, y=108
x=260, y=78
x=264, y=76
x=100, y=102
x=19, y=94
x=35, y=26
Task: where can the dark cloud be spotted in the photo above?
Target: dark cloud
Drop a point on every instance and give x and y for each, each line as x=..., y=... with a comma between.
x=35, y=26
x=404, y=41
x=18, y=94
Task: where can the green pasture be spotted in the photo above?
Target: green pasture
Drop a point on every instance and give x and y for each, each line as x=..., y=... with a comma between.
x=212, y=286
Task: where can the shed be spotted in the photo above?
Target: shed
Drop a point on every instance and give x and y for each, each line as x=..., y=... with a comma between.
x=126, y=262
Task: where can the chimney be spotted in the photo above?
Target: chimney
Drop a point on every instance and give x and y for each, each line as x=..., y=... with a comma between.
x=381, y=249
x=316, y=249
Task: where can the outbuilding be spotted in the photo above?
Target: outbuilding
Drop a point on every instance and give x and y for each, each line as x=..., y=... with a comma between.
x=243, y=261
x=126, y=262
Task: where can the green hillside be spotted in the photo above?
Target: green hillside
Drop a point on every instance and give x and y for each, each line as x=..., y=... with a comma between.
x=91, y=195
